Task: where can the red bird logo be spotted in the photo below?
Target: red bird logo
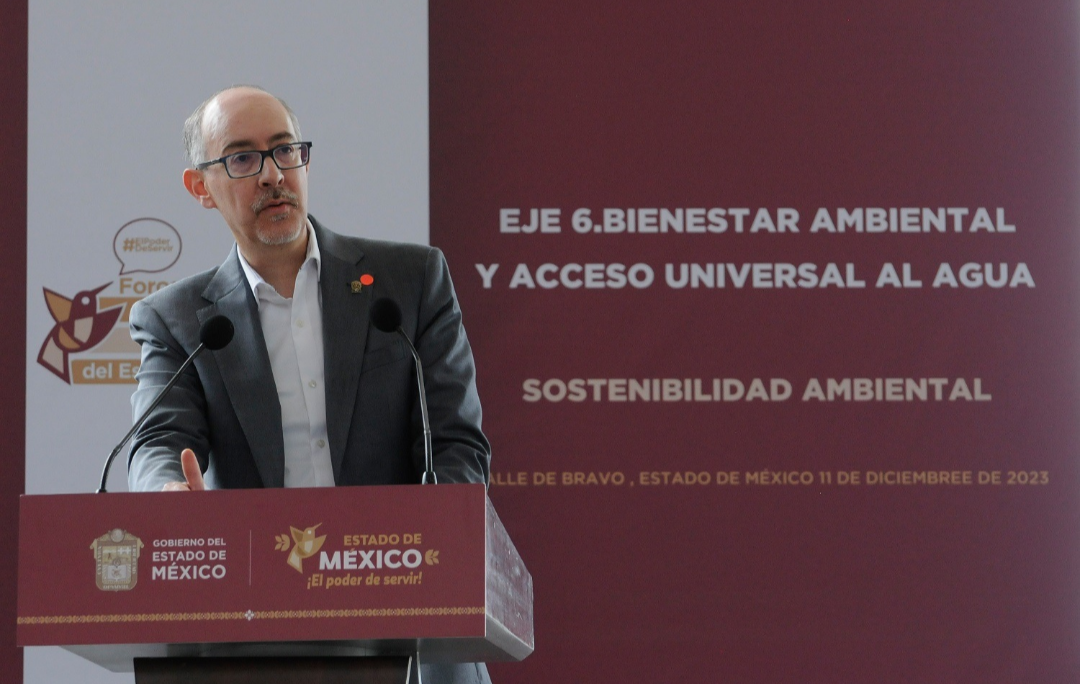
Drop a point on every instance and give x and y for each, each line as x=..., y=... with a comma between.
x=79, y=326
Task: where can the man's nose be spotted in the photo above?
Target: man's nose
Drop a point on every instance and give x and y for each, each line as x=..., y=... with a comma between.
x=270, y=175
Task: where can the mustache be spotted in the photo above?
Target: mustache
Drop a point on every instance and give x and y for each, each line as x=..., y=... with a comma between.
x=271, y=196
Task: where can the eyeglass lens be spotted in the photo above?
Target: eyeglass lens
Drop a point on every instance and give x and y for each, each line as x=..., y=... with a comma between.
x=249, y=163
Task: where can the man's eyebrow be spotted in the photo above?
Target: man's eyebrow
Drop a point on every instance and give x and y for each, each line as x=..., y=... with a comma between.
x=284, y=136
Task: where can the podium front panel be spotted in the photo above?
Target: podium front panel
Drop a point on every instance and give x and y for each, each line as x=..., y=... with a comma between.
x=157, y=573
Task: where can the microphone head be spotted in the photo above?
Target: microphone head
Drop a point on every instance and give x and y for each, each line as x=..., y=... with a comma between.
x=386, y=315
x=216, y=332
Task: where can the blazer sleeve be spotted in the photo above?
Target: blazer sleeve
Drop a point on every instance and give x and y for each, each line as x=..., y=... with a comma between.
x=460, y=450
x=177, y=423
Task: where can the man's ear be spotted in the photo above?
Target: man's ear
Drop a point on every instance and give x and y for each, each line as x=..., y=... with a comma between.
x=196, y=185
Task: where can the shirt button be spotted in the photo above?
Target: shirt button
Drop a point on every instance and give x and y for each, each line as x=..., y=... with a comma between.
x=320, y=443
x=312, y=384
x=300, y=323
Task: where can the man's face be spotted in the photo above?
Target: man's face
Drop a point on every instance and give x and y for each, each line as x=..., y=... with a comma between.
x=265, y=210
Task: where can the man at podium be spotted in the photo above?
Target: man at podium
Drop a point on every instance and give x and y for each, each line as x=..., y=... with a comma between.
x=308, y=393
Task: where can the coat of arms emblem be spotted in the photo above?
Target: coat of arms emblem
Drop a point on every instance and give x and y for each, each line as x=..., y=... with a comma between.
x=117, y=556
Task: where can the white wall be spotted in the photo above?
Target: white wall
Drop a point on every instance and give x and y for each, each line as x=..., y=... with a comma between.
x=110, y=85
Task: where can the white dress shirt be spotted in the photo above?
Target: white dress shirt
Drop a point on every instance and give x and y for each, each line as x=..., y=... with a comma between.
x=294, y=340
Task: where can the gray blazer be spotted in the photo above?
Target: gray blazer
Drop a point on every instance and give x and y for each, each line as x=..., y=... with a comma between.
x=226, y=408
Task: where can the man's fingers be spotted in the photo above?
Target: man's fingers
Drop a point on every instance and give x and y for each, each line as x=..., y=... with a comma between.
x=192, y=473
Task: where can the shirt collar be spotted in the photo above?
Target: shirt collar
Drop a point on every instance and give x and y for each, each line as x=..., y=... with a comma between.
x=256, y=282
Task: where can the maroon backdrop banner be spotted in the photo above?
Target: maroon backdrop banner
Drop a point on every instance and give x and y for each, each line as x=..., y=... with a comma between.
x=775, y=311
x=13, y=74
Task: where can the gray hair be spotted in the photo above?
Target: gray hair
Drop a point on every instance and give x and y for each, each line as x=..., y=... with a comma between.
x=195, y=144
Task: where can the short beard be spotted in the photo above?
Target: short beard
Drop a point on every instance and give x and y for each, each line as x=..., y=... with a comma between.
x=275, y=239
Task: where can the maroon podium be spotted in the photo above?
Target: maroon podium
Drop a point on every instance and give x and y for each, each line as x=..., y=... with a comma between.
x=336, y=572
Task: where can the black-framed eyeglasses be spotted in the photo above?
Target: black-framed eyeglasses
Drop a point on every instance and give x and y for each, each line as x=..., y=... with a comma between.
x=250, y=162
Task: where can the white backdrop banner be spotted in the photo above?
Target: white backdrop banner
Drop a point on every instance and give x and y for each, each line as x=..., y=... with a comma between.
x=110, y=85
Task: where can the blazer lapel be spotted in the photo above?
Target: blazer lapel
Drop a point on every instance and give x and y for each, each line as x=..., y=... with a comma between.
x=345, y=331
x=244, y=365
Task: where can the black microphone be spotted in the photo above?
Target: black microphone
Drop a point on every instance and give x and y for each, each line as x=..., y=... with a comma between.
x=386, y=316
x=214, y=334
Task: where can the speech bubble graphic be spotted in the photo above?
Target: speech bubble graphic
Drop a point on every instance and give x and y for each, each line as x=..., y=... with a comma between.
x=146, y=245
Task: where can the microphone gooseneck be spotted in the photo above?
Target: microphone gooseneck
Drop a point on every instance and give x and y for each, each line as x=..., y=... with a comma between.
x=386, y=316
x=214, y=334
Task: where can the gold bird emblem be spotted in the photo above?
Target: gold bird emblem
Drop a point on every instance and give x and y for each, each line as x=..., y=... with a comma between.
x=305, y=545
